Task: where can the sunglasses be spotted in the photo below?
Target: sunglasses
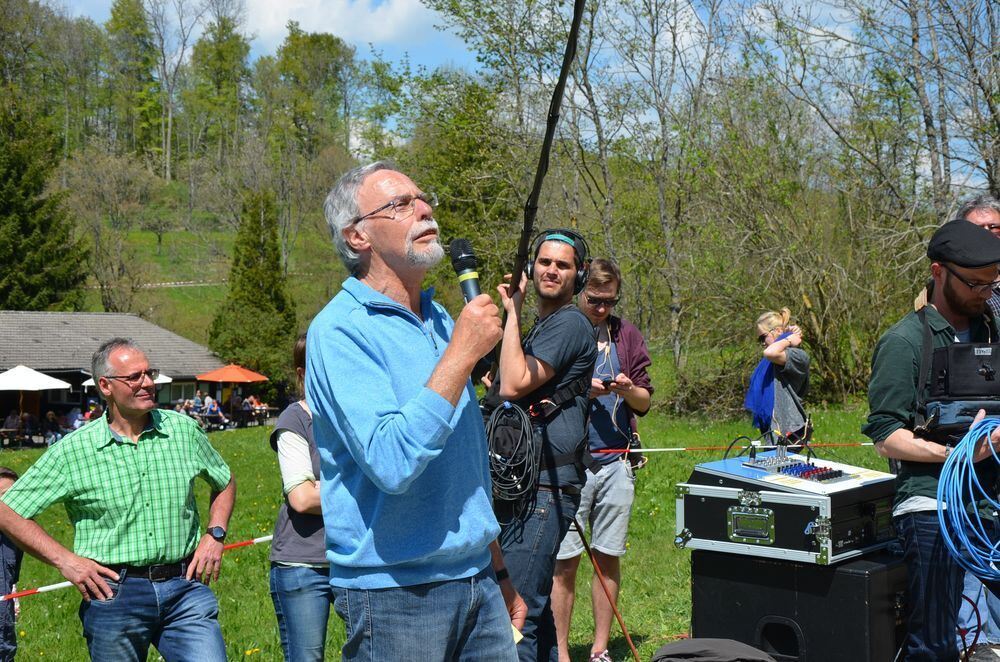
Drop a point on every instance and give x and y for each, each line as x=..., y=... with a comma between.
x=598, y=301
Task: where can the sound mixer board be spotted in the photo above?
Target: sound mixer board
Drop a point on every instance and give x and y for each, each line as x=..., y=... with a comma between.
x=785, y=506
x=798, y=467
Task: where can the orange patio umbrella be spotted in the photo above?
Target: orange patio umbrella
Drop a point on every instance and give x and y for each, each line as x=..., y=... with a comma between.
x=232, y=373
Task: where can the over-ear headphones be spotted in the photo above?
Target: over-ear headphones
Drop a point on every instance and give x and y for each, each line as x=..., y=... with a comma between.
x=580, y=248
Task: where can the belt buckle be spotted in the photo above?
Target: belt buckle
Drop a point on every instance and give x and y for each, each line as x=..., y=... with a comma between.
x=160, y=573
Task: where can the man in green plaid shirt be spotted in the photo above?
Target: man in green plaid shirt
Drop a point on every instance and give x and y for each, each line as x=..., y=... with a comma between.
x=140, y=558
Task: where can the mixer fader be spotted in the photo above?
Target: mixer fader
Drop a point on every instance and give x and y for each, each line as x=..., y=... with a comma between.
x=797, y=467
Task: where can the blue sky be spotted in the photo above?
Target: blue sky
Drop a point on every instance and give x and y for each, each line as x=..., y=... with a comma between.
x=395, y=27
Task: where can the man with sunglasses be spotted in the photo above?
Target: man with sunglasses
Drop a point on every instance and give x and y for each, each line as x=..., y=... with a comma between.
x=964, y=269
x=140, y=559
x=415, y=568
x=620, y=390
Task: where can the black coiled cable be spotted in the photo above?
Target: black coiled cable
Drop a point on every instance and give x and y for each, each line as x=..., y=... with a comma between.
x=515, y=460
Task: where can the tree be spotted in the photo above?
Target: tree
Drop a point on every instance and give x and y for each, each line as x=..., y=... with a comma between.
x=314, y=68
x=256, y=326
x=219, y=66
x=108, y=192
x=172, y=24
x=937, y=59
x=216, y=111
x=670, y=51
x=459, y=149
x=41, y=262
x=132, y=87
x=21, y=28
x=300, y=104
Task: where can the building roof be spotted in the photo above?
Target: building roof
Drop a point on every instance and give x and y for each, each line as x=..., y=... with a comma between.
x=54, y=342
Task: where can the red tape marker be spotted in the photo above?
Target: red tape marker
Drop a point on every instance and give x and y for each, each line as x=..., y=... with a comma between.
x=60, y=585
x=680, y=449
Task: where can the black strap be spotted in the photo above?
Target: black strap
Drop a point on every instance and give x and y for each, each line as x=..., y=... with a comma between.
x=926, y=350
x=579, y=386
x=546, y=409
x=581, y=458
x=156, y=573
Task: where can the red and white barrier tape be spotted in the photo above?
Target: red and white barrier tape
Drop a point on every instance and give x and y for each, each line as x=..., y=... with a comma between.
x=722, y=448
x=255, y=541
x=56, y=587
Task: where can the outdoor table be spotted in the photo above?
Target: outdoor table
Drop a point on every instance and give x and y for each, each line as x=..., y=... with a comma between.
x=264, y=414
x=240, y=418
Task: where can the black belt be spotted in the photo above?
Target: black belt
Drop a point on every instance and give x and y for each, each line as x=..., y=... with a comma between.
x=154, y=573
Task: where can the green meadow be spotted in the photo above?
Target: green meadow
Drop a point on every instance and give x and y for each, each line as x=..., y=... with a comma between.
x=655, y=599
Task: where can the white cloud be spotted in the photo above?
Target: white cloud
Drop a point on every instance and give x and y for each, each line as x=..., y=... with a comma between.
x=395, y=26
x=403, y=24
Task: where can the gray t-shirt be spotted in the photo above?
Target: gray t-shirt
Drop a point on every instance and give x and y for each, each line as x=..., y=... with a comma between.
x=565, y=341
x=791, y=383
x=299, y=538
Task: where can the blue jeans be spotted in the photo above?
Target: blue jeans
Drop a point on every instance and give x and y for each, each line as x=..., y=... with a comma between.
x=529, y=552
x=461, y=619
x=8, y=634
x=988, y=606
x=178, y=616
x=934, y=589
x=302, y=598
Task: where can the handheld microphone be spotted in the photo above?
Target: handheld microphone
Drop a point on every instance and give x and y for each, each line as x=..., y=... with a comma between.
x=463, y=259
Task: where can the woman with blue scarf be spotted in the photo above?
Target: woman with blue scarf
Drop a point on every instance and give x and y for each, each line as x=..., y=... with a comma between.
x=780, y=381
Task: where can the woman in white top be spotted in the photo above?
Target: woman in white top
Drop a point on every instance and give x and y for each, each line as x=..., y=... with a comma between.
x=300, y=586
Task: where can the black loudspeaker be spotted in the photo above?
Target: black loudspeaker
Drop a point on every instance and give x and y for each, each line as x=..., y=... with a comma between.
x=801, y=611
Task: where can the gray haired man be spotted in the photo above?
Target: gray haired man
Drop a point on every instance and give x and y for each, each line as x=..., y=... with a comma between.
x=411, y=536
x=127, y=481
x=984, y=211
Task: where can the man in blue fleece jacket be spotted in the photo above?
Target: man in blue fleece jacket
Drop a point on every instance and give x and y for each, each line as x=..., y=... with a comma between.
x=410, y=532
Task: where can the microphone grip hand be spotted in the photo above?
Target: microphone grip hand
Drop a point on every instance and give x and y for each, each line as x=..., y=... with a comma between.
x=477, y=329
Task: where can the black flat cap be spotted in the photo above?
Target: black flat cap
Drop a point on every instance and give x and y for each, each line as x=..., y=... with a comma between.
x=965, y=244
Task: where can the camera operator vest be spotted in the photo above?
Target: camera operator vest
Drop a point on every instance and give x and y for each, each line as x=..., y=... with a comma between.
x=955, y=382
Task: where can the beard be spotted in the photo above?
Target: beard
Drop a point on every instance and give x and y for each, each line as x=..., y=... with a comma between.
x=565, y=291
x=428, y=257
x=970, y=307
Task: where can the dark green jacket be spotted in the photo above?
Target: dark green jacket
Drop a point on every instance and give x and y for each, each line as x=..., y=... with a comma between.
x=892, y=393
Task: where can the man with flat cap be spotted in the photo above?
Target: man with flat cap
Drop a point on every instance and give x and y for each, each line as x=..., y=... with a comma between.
x=964, y=262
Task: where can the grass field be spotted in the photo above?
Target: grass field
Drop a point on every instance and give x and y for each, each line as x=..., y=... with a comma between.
x=655, y=598
x=202, y=260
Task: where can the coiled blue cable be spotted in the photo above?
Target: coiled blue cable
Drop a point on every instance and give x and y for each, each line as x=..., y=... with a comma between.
x=959, y=491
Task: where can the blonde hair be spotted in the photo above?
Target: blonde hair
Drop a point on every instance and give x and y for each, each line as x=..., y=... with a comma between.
x=771, y=320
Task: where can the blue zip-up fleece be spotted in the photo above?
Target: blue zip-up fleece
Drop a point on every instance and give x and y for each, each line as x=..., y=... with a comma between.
x=404, y=480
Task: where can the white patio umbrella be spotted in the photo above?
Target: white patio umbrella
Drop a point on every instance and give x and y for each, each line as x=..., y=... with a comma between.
x=22, y=378
x=160, y=379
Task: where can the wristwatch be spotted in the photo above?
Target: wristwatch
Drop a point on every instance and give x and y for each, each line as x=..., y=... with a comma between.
x=216, y=532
